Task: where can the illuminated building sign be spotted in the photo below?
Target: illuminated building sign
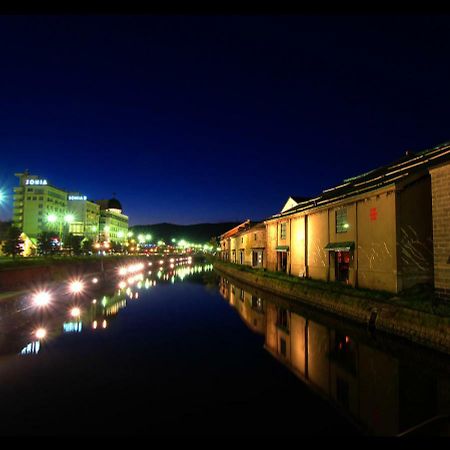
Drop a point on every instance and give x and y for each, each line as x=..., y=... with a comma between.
x=373, y=214
x=77, y=197
x=36, y=182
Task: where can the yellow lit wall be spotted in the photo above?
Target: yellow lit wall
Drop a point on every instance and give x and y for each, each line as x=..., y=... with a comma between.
x=297, y=331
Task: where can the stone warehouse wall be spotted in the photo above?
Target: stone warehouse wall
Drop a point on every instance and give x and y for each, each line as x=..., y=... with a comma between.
x=440, y=185
x=424, y=328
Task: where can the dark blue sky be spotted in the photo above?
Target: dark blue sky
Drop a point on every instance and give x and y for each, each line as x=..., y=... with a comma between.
x=194, y=119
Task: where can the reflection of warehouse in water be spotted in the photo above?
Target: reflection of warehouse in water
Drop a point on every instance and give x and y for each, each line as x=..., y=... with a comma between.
x=384, y=394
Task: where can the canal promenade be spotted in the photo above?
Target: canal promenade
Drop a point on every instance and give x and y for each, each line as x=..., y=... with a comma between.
x=430, y=330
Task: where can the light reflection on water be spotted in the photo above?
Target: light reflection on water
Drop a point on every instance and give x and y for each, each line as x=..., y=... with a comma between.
x=371, y=382
x=383, y=385
x=95, y=313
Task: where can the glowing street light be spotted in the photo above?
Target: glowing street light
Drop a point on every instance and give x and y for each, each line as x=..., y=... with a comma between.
x=68, y=218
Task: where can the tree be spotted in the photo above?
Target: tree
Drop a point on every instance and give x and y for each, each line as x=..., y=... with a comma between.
x=46, y=243
x=116, y=247
x=86, y=246
x=74, y=243
x=13, y=244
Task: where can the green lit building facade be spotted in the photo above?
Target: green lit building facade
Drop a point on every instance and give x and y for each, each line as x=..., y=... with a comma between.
x=86, y=216
x=34, y=201
x=39, y=206
x=113, y=223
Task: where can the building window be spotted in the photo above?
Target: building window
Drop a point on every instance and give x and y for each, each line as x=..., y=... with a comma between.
x=283, y=346
x=255, y=236
x=283, y=230
x=282, y=321
x=342, y=392
x=341, y=220
x=256, y=303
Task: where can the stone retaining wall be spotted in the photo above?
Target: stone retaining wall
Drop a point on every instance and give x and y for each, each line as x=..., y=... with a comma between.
x=19, y=278
x=424, y=328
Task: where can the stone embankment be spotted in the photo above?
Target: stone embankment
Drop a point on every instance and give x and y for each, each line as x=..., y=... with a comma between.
x=24, y=277
x=421, y=327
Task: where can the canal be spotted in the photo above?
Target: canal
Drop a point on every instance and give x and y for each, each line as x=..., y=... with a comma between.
x=175, y=349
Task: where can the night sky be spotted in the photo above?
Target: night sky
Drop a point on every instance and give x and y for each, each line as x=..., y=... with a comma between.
x=194, y=119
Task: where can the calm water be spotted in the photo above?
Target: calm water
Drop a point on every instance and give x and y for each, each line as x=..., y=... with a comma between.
x=184, y=351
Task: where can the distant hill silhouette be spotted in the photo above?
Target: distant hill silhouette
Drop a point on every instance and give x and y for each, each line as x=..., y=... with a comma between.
x=198, y=233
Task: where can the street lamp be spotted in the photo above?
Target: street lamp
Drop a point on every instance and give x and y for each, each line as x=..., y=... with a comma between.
x=68, y=218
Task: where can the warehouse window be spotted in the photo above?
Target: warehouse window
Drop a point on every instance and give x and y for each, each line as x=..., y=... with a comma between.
x=341, y=220
x=283, y=230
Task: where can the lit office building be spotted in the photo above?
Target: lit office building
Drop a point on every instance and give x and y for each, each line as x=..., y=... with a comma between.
x=113, y=223
x=39, y=207
x=85, y=215
x=35, y=200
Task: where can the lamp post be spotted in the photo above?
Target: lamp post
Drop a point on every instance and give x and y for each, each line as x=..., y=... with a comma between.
x=67, y=218
x=101, y=247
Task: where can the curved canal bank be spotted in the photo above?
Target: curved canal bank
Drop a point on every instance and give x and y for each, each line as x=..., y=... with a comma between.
x=424, y=328
x=16, y=279
x=24, y=276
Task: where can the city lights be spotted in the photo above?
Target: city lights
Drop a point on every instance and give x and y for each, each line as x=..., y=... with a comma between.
x=75, y=312
x=76, y=287
x=42, y=298
x=40, y=333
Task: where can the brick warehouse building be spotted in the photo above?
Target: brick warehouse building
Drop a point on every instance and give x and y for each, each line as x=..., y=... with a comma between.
x=372, y=231
x=440, y=186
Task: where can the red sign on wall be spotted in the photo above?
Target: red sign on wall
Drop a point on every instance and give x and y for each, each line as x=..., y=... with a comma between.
x=373, y=214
